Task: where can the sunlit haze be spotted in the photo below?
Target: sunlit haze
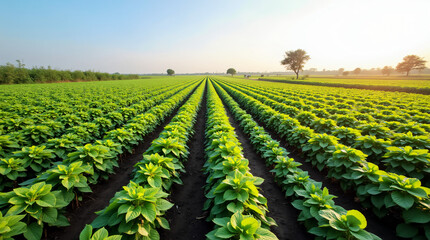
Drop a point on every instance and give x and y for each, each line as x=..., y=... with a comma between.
x=211, y=36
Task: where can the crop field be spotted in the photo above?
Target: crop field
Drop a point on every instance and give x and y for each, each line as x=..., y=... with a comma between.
x=412, y=84
x=417, y=83
x=195, y=157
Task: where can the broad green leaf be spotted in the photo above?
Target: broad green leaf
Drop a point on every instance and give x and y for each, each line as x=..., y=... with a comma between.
x=164, y=205
x=34, y=232
x=356, y=215
x=48, y=200
x=224, y=233
x=142, y=230
x=132, y=213
x=149, y=211
x=406, y=230
x=50, y=215
x=415, y=215
x=101, y=234
x=86, y=233
x=402, y=199
x=265, y=234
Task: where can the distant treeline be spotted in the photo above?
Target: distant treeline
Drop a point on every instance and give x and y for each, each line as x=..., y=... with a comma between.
x=10, y=74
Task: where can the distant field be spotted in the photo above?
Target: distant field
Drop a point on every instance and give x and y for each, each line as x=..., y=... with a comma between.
x=421, y=83
x=413, y=84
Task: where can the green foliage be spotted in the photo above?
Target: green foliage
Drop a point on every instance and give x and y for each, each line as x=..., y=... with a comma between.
x=375, y=188
x=349, y=225
x=231, y=71
x=99, y=157
x=373, y=147
x=40, y=204
x=101, y=234
x=10, y=74
x=346, y=135
x=295, y=60
x=37, y=157
x=69, y=179
x=11, y=226
x=135, y=211
x=230, y=188
x=170, y=72
x=7, y=143
x=126, y=137
x=239, y=226
x=319, y=149
x=374, y=129
x=408, y=161
x=310, y=197
x=12, y=168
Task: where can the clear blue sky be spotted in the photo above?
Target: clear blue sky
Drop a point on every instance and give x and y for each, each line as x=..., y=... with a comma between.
x=211, y=36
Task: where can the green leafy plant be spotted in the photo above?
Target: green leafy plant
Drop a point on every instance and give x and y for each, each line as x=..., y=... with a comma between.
x=346, y=135
x=319, y=148
x=170, y=147
x=124, y=136
x=7, y=143
x=37, y=157
x=348, y=226
x=239, y=226
x=407, y=161
x=342, y=164
x=39, y=204
x=11, y=226
x=408, y=139
x=61, y=146
x=373, y=147
x=101, y=234
x=375, y=129
x=135, y=211
x=37, y=133
x=152, y=175
x=322, y=125
x=98, y=157
x=12, y=168
x=69, y=179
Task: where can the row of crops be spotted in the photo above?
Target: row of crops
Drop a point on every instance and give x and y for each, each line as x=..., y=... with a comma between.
x=58, y=141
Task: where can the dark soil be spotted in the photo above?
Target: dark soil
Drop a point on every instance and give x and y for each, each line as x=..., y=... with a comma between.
x=187, y=218
x=105, y=190
x=384, y=228
x=280, y=209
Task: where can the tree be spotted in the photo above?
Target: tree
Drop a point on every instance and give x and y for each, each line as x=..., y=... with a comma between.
x=387, y=70
x=345, y=73
x=357, y=71
x=295, y=60
x=411, y=62
x=340, y=71
x=170, y=72
x=231, y=71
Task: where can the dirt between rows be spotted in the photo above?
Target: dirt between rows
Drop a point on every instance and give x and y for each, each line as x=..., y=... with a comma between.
x=105, y=190
x=385, y=228
x=187, y=218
